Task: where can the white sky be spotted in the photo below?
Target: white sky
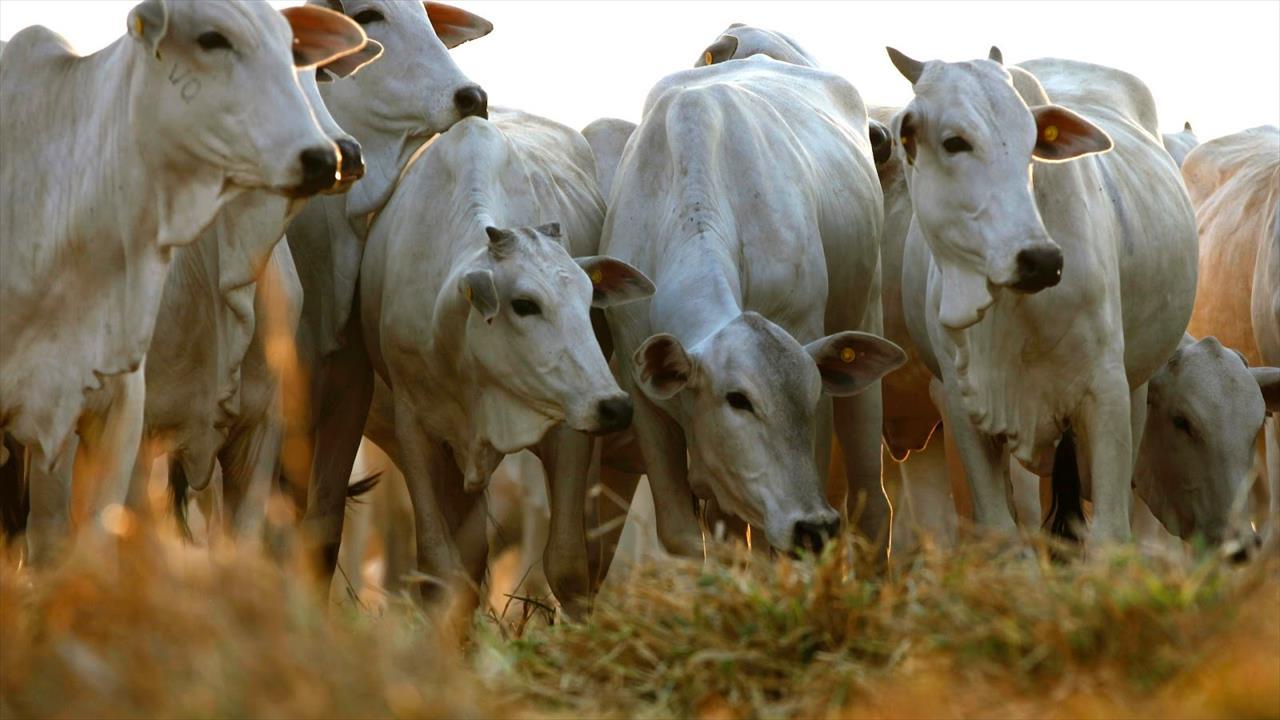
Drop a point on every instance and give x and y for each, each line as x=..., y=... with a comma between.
x=1216, y=64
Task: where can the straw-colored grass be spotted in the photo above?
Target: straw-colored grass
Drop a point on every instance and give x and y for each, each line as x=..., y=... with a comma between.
x=158, y=629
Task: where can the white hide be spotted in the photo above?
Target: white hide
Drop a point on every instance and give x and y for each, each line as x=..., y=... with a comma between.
x=747, y=268
x=84, y=259
x=1018, y=367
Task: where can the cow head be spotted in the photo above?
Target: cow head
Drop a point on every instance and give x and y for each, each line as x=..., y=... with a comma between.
x=751, y=393
x=415, y=91
x=217, y=81
x=350, y=157
x=970, y=138
x=529, y=336
x=1204, y=411
x=741, y=41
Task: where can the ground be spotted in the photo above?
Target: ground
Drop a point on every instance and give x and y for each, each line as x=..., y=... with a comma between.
x=156, y=628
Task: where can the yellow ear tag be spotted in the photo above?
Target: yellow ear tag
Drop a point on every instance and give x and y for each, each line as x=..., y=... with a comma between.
x=596, y=276
x=467, y=292
x=847, y=354
x=137, y=25
x=1051, y=133
x=707, y=59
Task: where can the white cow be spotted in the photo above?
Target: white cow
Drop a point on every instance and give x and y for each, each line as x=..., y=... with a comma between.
x=476, y=316
x=748, y=267
x=198, y=103
x=1045, y=293
x=1234, y=183
x=1180, y=143
x=391, y=108
x=197, y=407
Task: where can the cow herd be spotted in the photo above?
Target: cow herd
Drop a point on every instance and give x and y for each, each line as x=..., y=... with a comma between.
x=791, y=311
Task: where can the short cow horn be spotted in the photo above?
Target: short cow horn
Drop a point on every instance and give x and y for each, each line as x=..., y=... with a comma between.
x=996, y=55
x=909, y=68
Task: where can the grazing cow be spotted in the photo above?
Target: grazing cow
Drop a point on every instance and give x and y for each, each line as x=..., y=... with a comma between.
x=1180, y=143
x=391, y=108
x=197, y=103
x=477, y=317
x=208, y=345
x=1044, y=293
x=747, y=269
x=1234, y=183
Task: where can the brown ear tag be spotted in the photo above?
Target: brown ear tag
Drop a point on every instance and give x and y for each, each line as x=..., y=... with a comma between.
x=706, y=58
x=467, y=292
x=1050, y=133
x=847, y=354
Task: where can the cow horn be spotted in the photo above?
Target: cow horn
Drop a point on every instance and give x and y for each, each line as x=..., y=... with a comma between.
x=909, y=68
x=996, y=55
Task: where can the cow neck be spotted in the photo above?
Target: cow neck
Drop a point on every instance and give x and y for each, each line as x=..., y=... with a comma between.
x=699, y=292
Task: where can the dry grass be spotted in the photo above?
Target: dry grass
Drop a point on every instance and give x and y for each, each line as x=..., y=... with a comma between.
x=162, y=630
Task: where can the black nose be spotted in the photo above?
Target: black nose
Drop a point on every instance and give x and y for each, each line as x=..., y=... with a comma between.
x=814, y=534
x=472, y=100
x=614, y=414
x=319, y=170
x=881, y=142
x=1038, y=268
x=352, y=160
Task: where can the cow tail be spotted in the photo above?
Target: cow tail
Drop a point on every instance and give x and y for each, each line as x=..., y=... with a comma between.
x=1066, y=511
x=178, y=487
x=357, y=489
x=15, y=493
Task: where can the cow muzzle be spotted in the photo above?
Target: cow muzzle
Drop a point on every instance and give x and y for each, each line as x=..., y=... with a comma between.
x=813, y=533
x=1037, y=268
x=319, y=171
x=350, y=165
x=612, y=415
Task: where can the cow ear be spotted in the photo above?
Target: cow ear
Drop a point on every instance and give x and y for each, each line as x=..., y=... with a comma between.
x=851, y=361
x=719, y=51
x=614, y=282
x=455, y=26
x=1269, y=383
x=321, y=36
x=479, y=289
x=149, y=22
x=881, y=141
x=662, y=368
x=349, y=65
x=1063, y=135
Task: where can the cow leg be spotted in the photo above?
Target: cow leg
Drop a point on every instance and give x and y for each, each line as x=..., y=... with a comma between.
x=665, y=456
x=858, y=420
x=1105, y=431
x=927, y=493
x=610, y=506
x=566, y=458
x=249, y=463
x=49, y=517
x=1272, y=431
x=109, y=444
x=428, y=464
x=139, y=500
x=341, y=411
x=986, y=466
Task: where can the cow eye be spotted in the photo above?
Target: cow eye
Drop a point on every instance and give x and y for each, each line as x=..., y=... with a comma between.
x=738, y=401
x=213, y=41
x=956, y=144
x=524, y=308
x=364, y=17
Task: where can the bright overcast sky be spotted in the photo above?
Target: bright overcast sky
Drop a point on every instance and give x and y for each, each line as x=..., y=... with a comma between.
x=1216, y=64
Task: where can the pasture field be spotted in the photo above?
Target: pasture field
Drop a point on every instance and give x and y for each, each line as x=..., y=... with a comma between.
x=156, y=628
